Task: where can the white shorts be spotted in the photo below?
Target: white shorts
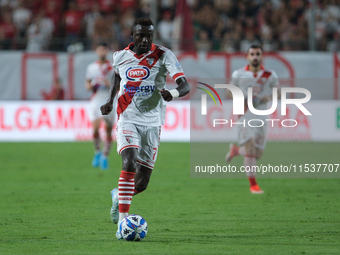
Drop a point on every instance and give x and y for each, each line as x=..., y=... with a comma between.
x=145, y=138
x=95, y=103
x=257, y=133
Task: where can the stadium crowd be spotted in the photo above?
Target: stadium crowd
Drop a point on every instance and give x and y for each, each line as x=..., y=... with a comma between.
x=220, y=25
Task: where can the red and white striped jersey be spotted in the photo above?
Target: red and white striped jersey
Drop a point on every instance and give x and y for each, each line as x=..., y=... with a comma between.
x=262, y=82
x=139, y=100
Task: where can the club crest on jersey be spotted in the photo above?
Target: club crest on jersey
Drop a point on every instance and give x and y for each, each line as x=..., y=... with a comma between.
x=150, y=61
x=137, y=73
x=128, y=139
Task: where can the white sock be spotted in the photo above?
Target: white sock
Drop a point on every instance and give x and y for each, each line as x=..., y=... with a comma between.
x=122, y=215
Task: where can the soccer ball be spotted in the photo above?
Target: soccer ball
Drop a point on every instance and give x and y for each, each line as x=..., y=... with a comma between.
x=133, y=228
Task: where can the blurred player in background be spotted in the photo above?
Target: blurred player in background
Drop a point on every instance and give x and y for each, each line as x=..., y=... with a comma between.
x=140, y=76
x=252, y=140
x=97, y=80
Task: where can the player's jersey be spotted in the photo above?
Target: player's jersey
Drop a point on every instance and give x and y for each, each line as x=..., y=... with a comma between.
x=139, y=100
x=262, y=83
x=98, y=74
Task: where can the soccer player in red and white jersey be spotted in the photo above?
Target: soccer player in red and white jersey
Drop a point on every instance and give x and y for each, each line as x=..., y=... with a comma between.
x=140, y=76
x=98, y=74
x=252, y=140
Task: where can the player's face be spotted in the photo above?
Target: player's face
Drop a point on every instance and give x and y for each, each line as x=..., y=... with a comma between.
x=142, y=38
x=254, y=56
x=102, y=51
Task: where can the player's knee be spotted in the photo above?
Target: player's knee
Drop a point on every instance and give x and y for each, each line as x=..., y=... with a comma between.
x=129, y=166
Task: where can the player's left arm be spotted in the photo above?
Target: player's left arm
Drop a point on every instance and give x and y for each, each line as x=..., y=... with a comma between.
x=182, y=90
x=176, y=72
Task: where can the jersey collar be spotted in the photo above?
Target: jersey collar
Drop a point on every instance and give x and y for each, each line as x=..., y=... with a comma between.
x=255, y=74
x=130, y=47
x=247, y=67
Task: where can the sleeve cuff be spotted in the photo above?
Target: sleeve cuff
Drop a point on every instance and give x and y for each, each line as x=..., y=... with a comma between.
x=178, y=75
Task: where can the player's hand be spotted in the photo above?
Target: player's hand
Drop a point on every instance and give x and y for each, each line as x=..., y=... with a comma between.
x=264, y=100
x=166, y=95
x=107, y=83
x=95, y=87
x=106, y=108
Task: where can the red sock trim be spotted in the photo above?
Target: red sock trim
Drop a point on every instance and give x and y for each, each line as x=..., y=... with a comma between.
x=126, y=178
x=124, y=208
x=252, y=181
x=128, y=175
x=96, y=136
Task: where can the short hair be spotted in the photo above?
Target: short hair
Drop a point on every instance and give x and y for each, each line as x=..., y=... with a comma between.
x=143, y=21
x=104, y=44
x=255, y=46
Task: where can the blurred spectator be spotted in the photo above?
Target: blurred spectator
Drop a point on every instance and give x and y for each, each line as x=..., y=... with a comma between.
x=35, y=36
x=8, y=3
x=58, y=4
x=127, y=5
x=46, y=25
x=208, y=19
x=144, y=9
x=107, y=6
x=51, y=11
x=228, y=43
x=332, y=15
x=90, y=19
x=103, y=31
x=229, y=25
x=248, y=40
x=85, y=5
x=21, y=18
x=56, y=93
x=334, y=44
x=7, y=31
x=72, y=23
x=203, y=43
x=165, y=28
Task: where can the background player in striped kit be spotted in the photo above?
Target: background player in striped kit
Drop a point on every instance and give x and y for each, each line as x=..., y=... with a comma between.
x=98, y=74
x=252, y=140
x=140, y=77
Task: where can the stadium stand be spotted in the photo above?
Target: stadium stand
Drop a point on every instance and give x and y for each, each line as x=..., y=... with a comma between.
x=219, y=25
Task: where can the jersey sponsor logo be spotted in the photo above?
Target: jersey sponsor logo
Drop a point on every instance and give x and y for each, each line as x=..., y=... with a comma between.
x=139, y=91
x=137, y=73
x=126, y=132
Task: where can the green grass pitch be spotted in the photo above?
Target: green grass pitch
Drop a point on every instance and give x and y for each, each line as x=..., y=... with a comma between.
x=53, y=202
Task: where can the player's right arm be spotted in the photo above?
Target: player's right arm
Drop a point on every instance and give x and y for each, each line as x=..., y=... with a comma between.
x=115, y=84
x=89, y=77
